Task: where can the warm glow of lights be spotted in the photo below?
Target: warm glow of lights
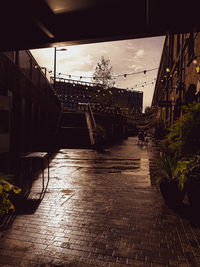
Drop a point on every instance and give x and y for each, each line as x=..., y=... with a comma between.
x=194, y=61
x=63, y=6
x=198, y=69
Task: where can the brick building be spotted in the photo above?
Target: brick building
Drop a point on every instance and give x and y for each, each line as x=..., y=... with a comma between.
x=178, y=76
x=71, y=92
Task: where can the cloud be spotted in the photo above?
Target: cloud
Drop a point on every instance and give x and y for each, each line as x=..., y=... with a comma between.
x=125, y=56
x=139, y=53
x=104, y=51
x=136, y=67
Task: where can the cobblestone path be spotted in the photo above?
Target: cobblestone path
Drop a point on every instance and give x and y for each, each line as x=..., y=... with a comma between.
x=101, y=209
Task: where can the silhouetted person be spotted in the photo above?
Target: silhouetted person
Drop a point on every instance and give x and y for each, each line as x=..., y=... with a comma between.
x=141, y=137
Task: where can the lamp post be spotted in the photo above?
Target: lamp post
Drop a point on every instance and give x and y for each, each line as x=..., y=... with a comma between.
x=55, y=50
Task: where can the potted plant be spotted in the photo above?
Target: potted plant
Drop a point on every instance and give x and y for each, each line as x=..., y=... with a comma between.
x=170, y=188
x=181, y=157
x=193, y=182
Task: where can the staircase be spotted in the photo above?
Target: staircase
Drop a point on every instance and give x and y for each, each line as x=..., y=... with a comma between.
x=73, y=131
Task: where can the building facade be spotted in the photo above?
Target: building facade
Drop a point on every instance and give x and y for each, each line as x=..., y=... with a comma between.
x=71, y=93
x=178, y=80
x=29, y=107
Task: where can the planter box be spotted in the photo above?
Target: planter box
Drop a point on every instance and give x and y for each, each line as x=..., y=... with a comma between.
x=193, y=192
x=171, y=193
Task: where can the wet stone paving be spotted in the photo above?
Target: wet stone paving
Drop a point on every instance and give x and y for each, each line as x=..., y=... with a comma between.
x=101, y=209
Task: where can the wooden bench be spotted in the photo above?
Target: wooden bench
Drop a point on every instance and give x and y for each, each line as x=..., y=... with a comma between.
x=27, y=161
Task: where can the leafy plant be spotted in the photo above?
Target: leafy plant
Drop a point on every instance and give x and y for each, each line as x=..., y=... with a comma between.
x=182, y=171
x=6, y=190
x=172, y=193
x=183, y=137
x=193, y=167
x=168, y=166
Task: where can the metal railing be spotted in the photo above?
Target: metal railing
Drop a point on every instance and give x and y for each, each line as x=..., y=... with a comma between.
x=27, y=63
x=91, y=123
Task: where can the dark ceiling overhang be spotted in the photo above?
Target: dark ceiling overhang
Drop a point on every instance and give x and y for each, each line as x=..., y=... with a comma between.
x=43, y=23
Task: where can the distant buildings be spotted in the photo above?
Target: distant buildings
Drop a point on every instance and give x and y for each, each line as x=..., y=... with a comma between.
x=71, y=92
x=178, y=81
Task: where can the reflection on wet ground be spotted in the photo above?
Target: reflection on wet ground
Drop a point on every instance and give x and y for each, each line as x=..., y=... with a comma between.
x=101, y=209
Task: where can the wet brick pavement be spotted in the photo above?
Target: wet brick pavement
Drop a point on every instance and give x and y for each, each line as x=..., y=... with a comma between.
x=101, y=209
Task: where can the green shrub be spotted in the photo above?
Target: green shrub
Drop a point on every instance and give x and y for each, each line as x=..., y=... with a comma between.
x=183, y=137
x=168, y=167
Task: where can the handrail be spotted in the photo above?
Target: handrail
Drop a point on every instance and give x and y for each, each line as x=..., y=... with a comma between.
x=91, y=124
x=92, y=117
x=26, y=62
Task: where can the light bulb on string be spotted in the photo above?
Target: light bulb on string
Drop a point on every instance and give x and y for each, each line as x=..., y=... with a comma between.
x=167, y=69
x=125, y=76
x=145, y=73
x=194, y=61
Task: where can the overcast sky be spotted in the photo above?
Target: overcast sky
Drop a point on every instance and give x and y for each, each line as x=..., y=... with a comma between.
x=126, y=57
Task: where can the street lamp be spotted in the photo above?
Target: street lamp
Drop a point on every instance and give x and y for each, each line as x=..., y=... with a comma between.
x=55, y=50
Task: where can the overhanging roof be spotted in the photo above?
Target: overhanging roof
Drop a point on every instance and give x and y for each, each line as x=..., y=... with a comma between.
x=29, y=24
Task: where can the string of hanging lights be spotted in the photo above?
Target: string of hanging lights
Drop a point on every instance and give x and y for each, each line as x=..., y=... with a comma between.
x=136, y=86
x=113, y=76
x=143, y=84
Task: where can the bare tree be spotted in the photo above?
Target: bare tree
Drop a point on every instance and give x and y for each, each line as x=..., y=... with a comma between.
x=103, y=74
